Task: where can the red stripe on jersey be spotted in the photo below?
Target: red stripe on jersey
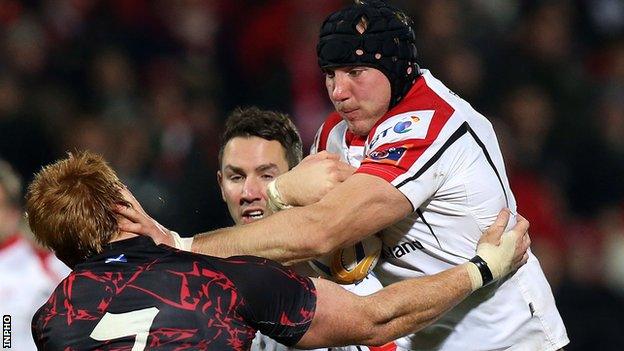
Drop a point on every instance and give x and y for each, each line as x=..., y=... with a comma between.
x=391, y=346
x=389, y=168
x=9, y=241
x=420, y=97
x=354, y=139
x=332, y=120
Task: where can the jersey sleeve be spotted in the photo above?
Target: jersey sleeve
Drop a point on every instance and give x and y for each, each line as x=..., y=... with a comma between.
x=322, y=136
x=315, y=148
x=403, y=150
x=278, y=302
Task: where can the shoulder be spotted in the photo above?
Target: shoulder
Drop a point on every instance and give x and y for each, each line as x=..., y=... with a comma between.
x=323, y=134
x=243, y=267
x=251, y=273
x=430, y=111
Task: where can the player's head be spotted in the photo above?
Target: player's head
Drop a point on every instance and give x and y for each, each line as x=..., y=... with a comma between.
x=70, y=206
x=256, y=147
x=368, y=53
x=10, y=195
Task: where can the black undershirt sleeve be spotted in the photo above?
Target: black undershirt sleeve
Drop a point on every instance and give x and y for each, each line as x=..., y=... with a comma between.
x=278, y=302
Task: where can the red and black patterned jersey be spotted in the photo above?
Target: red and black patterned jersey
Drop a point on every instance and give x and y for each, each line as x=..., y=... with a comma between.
x=139, y=296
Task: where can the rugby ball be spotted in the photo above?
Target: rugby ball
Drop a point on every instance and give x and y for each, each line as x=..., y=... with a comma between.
x=351, y=264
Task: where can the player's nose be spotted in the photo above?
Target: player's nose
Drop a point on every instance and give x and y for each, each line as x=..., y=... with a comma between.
x=252, y=190
x=340, y=90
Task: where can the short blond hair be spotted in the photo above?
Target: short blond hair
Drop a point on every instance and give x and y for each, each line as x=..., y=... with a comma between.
x=70, y=206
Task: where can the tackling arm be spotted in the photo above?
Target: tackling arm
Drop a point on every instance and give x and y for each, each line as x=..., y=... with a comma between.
x=410, y=305
x=359, y=207
x=343, y=318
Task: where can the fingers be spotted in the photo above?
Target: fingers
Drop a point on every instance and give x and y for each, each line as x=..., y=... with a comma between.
x=128, y=212
x=309, y=158
x=323, y=155
x=326, y=155
x=501, y=221
x=345, y=171
x=130, y=227
x=521, y=227
x=127, y=195
x=494, y=232
x=521, y=254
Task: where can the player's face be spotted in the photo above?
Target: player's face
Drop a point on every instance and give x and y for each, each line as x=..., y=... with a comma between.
x=360, y=95
x=248, y=165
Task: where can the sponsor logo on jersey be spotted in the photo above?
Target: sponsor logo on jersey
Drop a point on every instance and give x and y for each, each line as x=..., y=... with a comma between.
x=121, y=258
x=412, y=125
x=401, y=249
x=391, y=155
x=405, y=126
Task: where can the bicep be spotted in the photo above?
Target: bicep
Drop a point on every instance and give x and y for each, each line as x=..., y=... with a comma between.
x=341, y=318
x=361, y=206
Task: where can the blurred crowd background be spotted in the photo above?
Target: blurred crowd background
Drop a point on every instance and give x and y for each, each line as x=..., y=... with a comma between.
x=148, y=84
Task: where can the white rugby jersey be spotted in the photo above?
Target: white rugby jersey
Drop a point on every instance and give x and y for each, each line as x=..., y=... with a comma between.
x=28, y=278
x=444, y=157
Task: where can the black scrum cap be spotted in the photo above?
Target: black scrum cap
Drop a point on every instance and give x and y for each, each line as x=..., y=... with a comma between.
x=374, y=34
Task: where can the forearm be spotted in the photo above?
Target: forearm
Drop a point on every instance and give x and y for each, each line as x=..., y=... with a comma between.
x=302, y=233
x=287, y=237
x=343, y=318
x=410, y=305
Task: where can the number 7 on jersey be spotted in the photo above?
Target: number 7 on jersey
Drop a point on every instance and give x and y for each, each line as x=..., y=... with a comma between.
x=119, y=325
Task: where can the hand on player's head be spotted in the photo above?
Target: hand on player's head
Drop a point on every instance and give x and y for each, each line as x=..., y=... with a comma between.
x=134, y=220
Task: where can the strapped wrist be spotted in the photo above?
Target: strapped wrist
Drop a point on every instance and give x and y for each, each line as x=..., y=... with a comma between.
x=180, y=243
x=484, y=270
x=275, y=201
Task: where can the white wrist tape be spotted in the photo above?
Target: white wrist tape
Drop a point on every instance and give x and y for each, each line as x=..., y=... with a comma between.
x=499, y=257
x=180, y=243
x=474, y=274
x=275, y=201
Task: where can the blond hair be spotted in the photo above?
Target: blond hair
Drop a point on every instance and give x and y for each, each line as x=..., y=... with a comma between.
x=70, y=205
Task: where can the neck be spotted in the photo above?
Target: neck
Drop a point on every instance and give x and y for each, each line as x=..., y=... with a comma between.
x=123, y=236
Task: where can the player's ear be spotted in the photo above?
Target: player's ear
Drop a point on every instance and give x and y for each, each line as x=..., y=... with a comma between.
x=220, y=181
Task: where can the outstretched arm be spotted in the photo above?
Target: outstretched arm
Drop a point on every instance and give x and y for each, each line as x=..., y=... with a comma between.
x=410, y=305
x=341, y=217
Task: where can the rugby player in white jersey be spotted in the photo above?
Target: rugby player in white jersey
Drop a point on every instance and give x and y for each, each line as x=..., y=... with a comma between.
x=444, y=158
x=430, y=172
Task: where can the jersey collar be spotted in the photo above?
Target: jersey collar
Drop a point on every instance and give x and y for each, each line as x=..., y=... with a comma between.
x=419, y=86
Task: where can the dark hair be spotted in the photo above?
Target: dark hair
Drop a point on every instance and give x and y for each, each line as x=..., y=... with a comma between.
x=70, y=206
x=265, y=124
